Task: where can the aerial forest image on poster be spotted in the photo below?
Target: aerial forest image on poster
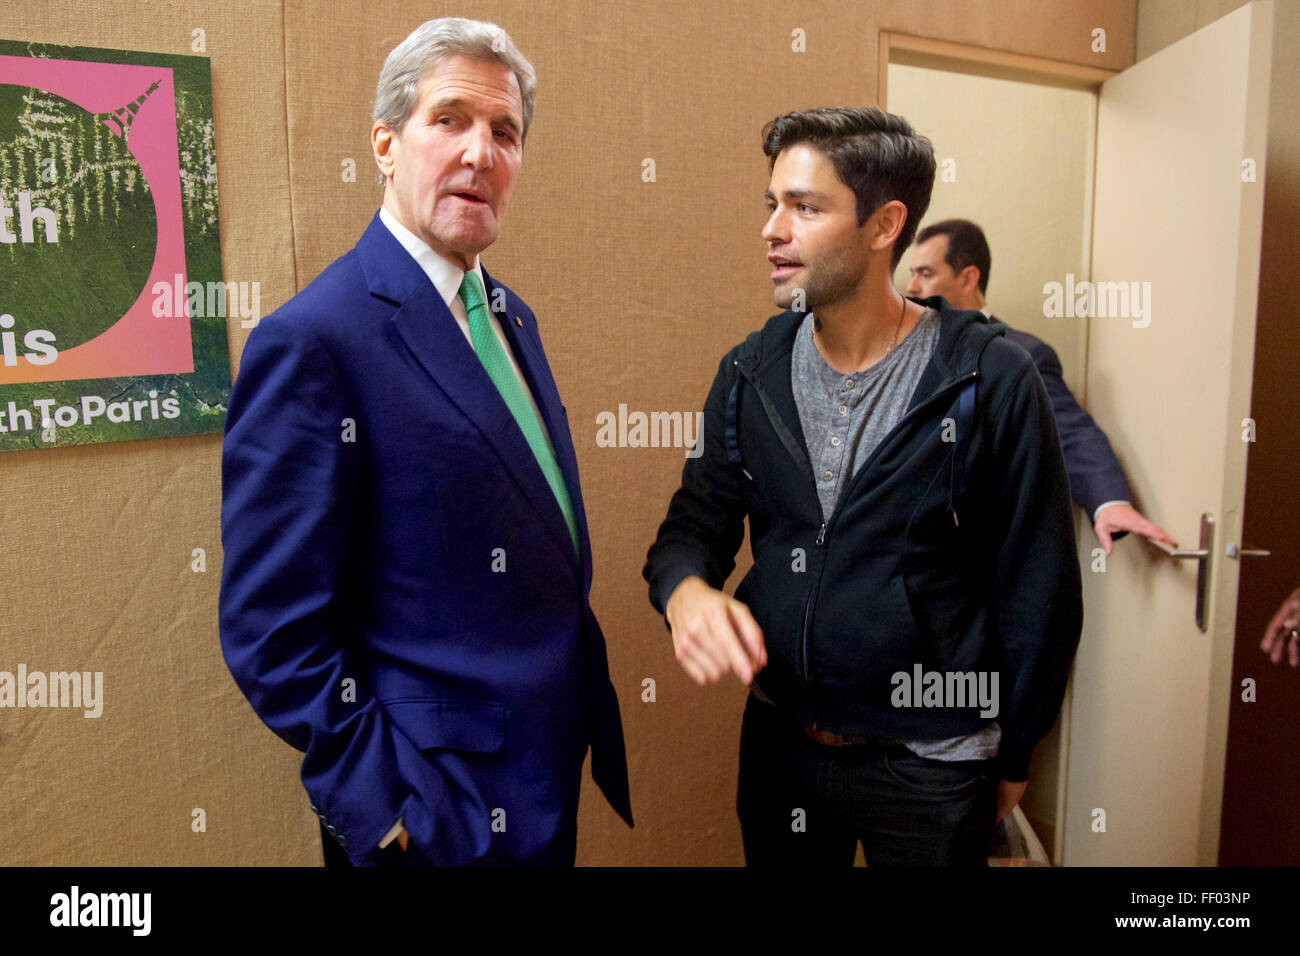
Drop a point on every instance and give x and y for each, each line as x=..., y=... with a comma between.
x=112, y=305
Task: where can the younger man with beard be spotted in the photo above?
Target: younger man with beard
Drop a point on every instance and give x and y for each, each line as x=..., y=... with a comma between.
x=914, y=604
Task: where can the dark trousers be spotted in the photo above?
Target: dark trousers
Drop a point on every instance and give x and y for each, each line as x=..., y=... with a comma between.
x=805, y=804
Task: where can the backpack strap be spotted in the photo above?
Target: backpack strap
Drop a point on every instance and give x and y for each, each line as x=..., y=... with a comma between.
x=965, y=419
x=749, y=351
x=961, y=448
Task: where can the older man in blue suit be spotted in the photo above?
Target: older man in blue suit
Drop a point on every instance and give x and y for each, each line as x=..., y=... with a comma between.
x=405, y=595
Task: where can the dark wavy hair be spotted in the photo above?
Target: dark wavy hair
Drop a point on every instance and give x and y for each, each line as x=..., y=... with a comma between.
x=876, y=154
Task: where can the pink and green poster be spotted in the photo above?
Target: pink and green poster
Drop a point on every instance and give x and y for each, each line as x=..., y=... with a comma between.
x=112, y=305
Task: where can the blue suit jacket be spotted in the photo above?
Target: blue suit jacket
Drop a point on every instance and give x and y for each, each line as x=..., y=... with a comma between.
x=1095, y=474
x=400, y=596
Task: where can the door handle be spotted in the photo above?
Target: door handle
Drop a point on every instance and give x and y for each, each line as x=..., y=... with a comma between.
x=1176, y=553
x=1204, y=557
x=1236, y=552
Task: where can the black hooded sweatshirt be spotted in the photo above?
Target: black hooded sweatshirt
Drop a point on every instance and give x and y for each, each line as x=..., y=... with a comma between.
x=951, y=548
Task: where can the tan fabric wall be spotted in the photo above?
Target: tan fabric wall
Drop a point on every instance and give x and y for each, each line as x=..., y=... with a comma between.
x=640, y=287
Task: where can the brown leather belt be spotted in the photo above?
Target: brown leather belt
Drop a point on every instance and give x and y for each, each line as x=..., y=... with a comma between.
x=823, y=737
x=828, y=739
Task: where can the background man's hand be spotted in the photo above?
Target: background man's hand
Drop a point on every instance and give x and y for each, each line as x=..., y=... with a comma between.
x=713, y=633
x=1122, y=517
x=1009, y=794
x=1282, y=632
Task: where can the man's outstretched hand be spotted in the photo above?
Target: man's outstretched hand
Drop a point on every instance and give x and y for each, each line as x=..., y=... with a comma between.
x=1122, y=517
x=713, y=633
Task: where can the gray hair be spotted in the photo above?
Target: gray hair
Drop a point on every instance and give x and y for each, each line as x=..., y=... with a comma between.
x=426, y=47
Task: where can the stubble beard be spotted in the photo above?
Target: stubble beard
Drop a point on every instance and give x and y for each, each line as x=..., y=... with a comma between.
x=822, y=283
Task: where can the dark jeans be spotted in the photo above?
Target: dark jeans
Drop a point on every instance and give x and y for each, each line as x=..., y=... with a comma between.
x=906, y=810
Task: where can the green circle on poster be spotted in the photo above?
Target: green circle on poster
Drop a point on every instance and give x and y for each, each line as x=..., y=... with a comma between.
x=65, y=174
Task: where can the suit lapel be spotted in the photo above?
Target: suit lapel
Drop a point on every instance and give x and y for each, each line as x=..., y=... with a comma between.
x=432, y=334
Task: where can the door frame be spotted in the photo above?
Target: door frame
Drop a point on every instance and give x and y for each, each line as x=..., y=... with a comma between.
x=908, y=50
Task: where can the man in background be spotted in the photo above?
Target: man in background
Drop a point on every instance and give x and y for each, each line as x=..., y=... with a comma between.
x=952, y=259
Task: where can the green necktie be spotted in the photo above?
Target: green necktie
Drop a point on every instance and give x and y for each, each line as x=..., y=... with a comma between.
x=497, y=364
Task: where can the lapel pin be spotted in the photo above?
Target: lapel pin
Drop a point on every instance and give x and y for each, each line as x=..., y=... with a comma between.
x=519, y=322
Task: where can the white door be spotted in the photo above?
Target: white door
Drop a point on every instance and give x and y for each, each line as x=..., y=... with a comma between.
x=1175, y=213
